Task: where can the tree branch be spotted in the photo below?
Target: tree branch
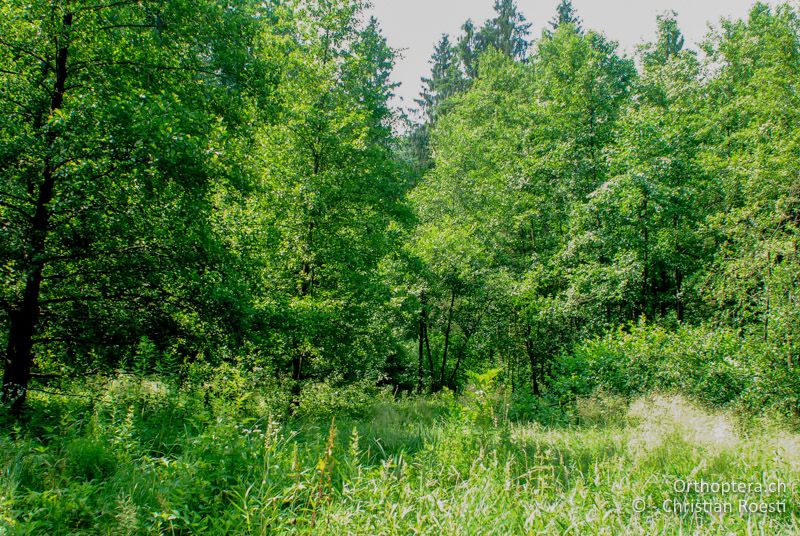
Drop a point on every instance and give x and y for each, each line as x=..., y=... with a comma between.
x=114, y=26
x=17, y=209
x=95, y=63
x=68, y=299
x=57, y=393
x=18, y=198
x=26, y=109
x=99, y=7
x=18, y=48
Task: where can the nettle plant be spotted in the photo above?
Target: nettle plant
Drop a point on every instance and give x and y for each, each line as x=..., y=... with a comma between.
x=482, y=397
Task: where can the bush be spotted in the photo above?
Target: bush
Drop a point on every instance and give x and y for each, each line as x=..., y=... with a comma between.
x=324, y=400
x=714, y=365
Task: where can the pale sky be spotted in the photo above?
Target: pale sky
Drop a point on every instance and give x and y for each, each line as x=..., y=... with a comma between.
x=416, y=25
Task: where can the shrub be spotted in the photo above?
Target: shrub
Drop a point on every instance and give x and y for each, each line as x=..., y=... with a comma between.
x=714, y=365
x=324, y=400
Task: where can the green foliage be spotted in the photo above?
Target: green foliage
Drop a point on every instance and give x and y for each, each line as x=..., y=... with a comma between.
x=194, y=182
x=446, y=80
x=571, y=195
x=88, y=459
x=178, y=198
x=752, y=278
x=401, y=466
x=325, y=400
x=566, y=14
x=670, y=41
x=601, y=409
x=215, y=246
x=481, y=397
x=716, y=366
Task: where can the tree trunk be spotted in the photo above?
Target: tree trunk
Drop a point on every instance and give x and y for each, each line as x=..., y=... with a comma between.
x=447, y=338
x=297, y=371
x=678, y=299
x=420, y=367
x=24, y=317
x=645, y=272
x=430, y=355
x=533, y=361
x=424, y=313
x=460, y=357
x=766, y=293
x=545, y=359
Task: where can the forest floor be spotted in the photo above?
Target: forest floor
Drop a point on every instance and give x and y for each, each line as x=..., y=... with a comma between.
x=144, y=457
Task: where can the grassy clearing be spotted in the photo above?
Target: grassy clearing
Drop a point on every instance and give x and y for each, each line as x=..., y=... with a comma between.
x=148, y=458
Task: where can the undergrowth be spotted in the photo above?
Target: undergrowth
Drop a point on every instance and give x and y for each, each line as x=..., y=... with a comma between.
x=143, y=456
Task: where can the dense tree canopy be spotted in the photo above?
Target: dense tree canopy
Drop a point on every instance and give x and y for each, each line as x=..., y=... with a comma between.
x=600, y=194
x=201, y=182
x=117, y=128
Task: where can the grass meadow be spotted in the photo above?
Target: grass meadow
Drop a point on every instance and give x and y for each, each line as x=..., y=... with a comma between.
x=137, y=456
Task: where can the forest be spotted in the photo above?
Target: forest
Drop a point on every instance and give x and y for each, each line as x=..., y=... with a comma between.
x=241, y=292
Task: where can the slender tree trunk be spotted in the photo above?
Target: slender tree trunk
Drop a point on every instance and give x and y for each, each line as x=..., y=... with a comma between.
x=306, y=287
x=420, y=367
x=447, y=338
x=533, y=361
x=459, y=358
x=545, y=359
x=661, y=292
x=645, y=272
x=297, y=371
x=513, y=365
x=678, y=289
x=425, y=323
x=430, y=354
x=297, y=375
x=511, y=360
x=767, y=312
x=24, y=317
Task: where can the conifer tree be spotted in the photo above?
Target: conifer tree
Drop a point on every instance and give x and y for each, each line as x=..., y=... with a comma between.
x=469, y=47
x=566, y=14
x=508, y=31
x=669, y=43
x=445, y=81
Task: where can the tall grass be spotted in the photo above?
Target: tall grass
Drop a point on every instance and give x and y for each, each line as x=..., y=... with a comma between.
x=145, y=457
